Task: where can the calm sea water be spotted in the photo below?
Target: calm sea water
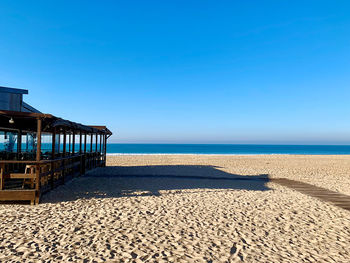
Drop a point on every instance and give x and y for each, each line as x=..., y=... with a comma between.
x=116, y=148
x=123, y=148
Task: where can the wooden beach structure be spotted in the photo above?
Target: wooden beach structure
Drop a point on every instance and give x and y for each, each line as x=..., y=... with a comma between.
x=40, y=151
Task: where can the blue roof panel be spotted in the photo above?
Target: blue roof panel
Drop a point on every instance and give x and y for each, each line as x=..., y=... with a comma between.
x=11, y=90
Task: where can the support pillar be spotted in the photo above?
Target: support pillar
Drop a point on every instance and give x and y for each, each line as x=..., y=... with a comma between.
x=38, y=157
x=38, y=140
x=105, y=149
x=73, y=143
x=80, y=141
x=64, y=143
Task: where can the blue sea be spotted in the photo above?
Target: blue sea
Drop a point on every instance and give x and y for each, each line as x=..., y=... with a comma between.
x=245, y=149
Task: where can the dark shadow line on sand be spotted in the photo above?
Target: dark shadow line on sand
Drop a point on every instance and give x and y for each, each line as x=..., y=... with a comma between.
x=262, y=177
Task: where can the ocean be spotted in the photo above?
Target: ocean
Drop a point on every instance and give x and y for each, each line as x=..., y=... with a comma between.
x=244, y=149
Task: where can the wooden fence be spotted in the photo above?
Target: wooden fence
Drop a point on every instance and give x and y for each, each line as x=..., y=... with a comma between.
x=28, y=180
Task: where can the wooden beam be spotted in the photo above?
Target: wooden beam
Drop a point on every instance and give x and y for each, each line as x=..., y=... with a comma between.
x=102, y=129
x=96, y=142
x=38, y=140
x=53, y=144
x=20, y=176
x=104, y=143
x=85, y=135
x=100, y=143
x=66, y=123
x=80, y=141
x=25, y=114
x=99, y=127
x=2, y=175
x=17, y=195
x=26, y=162
x=69, y=143
x=64, y=142
x=73, y=143
x=91, y=140
x=37, y=183
x=105, y=149
x=19, y=141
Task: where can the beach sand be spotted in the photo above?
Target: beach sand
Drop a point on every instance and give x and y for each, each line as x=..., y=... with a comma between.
x=185, y=208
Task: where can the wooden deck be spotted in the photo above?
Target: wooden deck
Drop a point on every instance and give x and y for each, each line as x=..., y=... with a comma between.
x=47, y=175
x=335, y=198
x=18, y=195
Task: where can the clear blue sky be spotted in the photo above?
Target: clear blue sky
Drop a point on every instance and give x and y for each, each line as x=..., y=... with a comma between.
x=185, y=71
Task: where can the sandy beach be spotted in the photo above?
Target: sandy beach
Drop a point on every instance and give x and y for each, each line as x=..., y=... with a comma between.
x=185, y=208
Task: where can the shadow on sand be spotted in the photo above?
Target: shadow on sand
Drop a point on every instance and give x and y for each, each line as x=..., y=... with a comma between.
x=121, y=181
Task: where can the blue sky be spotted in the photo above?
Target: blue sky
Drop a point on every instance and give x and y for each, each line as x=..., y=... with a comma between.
x=185, y=71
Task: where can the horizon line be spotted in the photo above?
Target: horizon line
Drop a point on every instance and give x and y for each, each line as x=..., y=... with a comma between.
x=220, y=143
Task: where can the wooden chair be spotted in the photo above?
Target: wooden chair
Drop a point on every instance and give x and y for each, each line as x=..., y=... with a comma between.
x=30, y=170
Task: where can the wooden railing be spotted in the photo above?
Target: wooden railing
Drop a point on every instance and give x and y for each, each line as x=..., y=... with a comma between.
x=44, y=175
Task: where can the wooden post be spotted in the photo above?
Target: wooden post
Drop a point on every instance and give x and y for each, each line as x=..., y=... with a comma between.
x=38, y=157
x=91, y=139
x=80, y=139
x=58, y=142
x=84, y=159
x=64, y=143
x=53, y=167
x=69, y=143
x=2, y=175
x=101, y=149
x=100, y=143
x=105, y=149
x=53, y=144
x=85, y=135
x=96, y=142
x=64, y=155
x=73, y=143
x=19, y=141
x=96, y=150
x=37, y=183
x=52, y=171
x=38, y=140
x=90, y=155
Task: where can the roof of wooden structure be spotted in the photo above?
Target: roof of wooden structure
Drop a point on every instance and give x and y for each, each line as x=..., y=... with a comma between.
x=27, y=121
x=12, y=90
